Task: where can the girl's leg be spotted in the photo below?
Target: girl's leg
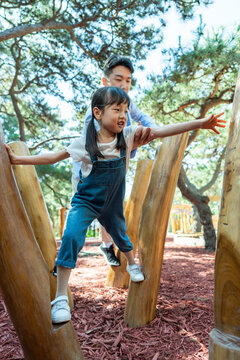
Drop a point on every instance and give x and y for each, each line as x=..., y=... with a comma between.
x=60, y=309
x=63, y=275
x=130, y=258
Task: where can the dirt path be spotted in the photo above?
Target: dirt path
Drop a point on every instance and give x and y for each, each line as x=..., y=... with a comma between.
x=183, y=320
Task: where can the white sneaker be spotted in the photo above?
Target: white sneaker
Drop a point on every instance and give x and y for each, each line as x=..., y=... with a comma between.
x=135, y=273
x=60, y=310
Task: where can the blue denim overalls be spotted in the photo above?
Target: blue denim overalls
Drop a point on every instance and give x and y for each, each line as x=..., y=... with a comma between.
x=99, y=196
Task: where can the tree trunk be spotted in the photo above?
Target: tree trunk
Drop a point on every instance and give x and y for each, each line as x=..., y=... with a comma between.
x=204, y=211
x=24, y=280
x=117, y=275
x=19, y=116
x=196, y=221
x=142, y=297
x=33, y=200
x=225, y=337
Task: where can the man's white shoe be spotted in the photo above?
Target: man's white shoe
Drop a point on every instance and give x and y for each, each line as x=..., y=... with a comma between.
x=60, y=310
x=135, y=273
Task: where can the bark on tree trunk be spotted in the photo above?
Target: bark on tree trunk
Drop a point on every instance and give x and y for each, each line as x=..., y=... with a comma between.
x=142, y=297
x=204, y=211
x=33, y=200
x=19, y=116
x=225, y=337
x=196, y=220
x=24, y=280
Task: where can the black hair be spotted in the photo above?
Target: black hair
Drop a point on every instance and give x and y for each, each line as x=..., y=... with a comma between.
x=103, y=97
x=117, y=60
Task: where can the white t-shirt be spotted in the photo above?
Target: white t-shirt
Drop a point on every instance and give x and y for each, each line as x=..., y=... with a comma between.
x=78, y=152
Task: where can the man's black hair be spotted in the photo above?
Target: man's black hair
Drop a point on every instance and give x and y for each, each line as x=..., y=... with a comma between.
x=117, y=60
x=103, y=97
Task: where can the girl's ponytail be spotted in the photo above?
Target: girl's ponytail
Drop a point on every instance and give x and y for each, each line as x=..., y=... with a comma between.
x=91, y=140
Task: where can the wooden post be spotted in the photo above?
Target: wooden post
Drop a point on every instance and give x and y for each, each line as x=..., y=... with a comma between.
x=32, y=197
x=225, y=337
x=142, y=297
x=117, y=275
x=173, y=223
x=62, y=212
x=24, y=280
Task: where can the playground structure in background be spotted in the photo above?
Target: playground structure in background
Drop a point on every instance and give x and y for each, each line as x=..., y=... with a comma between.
x=181, y=217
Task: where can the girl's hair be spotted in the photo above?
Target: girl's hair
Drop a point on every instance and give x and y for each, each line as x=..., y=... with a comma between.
x=103, y=97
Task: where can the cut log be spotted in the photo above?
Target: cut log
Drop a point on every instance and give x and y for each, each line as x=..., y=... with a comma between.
x=24, y=280
x=142, y=297
x=117, y=275
x=62, y=212
x=33, y=200
x=225, y=338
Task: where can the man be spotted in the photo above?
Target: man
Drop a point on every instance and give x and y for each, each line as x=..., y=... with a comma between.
x=118, y=72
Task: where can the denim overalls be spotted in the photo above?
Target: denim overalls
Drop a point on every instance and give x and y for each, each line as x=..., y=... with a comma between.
x=99, y=196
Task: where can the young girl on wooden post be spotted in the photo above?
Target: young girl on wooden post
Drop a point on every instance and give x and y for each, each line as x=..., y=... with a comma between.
x=101, y=189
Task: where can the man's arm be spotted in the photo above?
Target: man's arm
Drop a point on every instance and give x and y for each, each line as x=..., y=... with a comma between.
x=138, y=116
x=143, y=134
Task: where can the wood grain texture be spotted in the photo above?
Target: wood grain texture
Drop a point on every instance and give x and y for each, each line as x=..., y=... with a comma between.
x=227, y=264
x=24, y=280
x=35, y=206
x=223, y=346
x=117, y=275
x=142, y=297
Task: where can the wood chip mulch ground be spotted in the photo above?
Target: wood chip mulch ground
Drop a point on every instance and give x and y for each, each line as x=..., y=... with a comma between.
x=180, y=330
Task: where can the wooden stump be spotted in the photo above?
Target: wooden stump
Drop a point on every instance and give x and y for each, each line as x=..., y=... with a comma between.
x=32, y=197
x=62, y=212
x=24, y=280
x=225, y=338
x=142, y=297
x=117, y=275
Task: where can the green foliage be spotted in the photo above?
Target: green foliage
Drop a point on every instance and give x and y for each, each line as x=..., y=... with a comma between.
x=196, y=82
x=51, y=51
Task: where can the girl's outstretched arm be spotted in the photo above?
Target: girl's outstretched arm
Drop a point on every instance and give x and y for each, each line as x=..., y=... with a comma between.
x=44, y=159
x=211, y=123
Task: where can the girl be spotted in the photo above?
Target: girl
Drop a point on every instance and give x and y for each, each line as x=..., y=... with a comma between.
x=101, y=189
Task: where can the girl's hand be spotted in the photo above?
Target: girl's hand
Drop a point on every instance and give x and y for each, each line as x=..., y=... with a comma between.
x=212, y=121
x=11, y=154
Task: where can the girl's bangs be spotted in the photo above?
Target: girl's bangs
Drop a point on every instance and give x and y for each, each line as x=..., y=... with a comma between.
x=116, y=96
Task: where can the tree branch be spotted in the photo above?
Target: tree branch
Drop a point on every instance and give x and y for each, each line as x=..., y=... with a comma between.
x=217, y=79
x=55, y=193
x=215, y=174
x=51, y=139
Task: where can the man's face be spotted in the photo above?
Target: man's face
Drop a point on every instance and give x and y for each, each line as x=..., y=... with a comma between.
x=120, y=76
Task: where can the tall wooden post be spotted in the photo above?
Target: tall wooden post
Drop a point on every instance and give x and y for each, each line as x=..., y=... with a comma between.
x=24, y=279
x=142, y=297
x=32, y=197
x=225, y=337
x=117, y=275
x=62, y=212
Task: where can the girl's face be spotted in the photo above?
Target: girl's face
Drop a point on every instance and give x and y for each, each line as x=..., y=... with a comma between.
x=112, y=118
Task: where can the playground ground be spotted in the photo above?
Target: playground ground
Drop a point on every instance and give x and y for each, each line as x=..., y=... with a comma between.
x=180, y=330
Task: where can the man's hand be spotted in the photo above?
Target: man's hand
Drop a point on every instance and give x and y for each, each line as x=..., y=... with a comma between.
x=142, y=136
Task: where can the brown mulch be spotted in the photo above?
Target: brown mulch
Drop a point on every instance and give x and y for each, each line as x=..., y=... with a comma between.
x=180, y=330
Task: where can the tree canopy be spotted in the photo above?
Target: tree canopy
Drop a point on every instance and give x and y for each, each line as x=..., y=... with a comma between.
x=198, y=80
x=54, y=49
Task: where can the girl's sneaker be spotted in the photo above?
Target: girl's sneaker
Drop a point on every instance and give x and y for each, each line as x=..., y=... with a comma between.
x=135, y=273
x=60, y=310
